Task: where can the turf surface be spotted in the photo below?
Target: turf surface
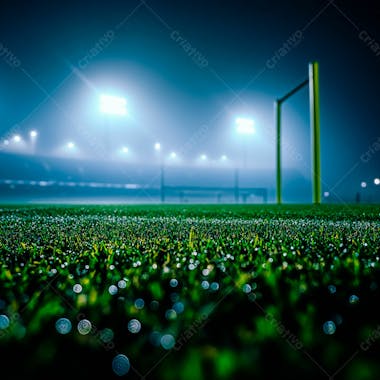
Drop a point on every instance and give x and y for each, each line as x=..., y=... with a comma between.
x=190, y=292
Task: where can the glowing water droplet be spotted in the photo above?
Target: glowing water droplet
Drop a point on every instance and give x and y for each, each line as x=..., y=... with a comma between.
x=214, y=286
x=63, y=326
x=173, y=282
x=205, y=285
x=120, y=365
x=247, y=288
x=353, y=299
x=167, y=341
x=332, y=289
x=106, y=335
x=77, y=288
x=122, y=284
x=84, y=326
x=329, y=327
x=179, y=307
x=134, y=326
x=170, y=314
x=139, y=303
x=113, y=290
x=4, y=322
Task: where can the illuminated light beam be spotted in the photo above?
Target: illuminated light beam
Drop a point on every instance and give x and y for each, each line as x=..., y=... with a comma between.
x=113, y=105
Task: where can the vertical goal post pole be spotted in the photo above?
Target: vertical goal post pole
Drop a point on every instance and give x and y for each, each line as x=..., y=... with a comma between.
x=277, y=111
x=315, y=131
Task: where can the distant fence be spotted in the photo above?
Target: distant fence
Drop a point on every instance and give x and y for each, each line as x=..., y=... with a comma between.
x=244, y=195
x=48, y=189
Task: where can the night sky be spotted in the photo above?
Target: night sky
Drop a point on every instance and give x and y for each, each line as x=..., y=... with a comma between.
x=193, y=66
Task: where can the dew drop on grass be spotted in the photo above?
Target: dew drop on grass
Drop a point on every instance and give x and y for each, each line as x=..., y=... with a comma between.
x=329, y=327
x=214, y=286
x=170, y=314
x=167, y=341
x=353, y=299
x=139, y=303
x=122, y=284
x=77, y=288
x=106, y=335
x=84, y=326
x=134, y=326
x=120, y=365
x=247, y=288
x=112, y=290
x=63, y=326
x=173, y=282
x=179, y=307
x=332, y=289
x=4, y=322
x=205, y=272
x=205, y=285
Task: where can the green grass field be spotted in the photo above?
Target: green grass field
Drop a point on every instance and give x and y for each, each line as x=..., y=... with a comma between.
x=190, y=292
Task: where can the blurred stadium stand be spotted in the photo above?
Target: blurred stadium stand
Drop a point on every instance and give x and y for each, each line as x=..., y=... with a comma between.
x=30, y=178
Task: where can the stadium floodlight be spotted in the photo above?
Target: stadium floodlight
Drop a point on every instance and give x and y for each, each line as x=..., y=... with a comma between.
x=376, y=181
x=363, y=185
x=6, y=142
x=326, y=194
x=125, y=149
x=70, y=145
x=203, y=157
x=33, y=133
x=17, y=138
x=113, y=105
x=157, y=146
x=223, y=157
x=173, y=155
x=245, y=126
